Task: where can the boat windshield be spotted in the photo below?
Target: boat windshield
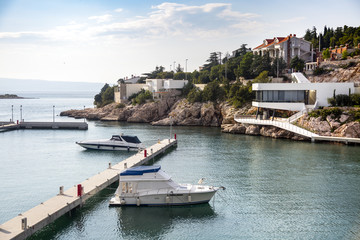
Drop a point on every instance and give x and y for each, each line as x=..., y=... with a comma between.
x=131, y=139
x=116, y=138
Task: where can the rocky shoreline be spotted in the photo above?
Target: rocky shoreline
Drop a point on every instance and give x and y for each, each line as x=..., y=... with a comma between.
x=179, y=112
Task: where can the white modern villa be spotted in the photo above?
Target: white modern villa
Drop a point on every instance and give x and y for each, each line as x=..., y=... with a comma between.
x=286, y=48
x=299, y=95
x=156, y=86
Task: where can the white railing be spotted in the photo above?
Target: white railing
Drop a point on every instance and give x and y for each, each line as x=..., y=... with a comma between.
x=297, y=115
x=284, y=125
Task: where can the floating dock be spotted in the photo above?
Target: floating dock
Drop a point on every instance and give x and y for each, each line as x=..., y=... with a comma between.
x=27, y=223
x=43, y=125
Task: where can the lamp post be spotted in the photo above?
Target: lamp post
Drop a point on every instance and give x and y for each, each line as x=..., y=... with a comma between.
x=170, y=126
x=20, y=113
x=53, y=113
x=186, y=69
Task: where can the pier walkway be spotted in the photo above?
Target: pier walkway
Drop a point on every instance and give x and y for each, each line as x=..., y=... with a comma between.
x=8, y=126
x=27, y=223
x=287, y=125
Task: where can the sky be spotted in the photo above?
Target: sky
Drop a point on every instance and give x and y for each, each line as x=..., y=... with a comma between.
x=103, y=41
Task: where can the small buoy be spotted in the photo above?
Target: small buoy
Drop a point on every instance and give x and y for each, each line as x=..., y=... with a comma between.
x=122, y=202
x=137, y=202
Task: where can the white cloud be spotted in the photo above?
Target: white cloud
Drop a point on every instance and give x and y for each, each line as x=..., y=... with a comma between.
x=293, y=20
x=118, y=10
x=101, y=19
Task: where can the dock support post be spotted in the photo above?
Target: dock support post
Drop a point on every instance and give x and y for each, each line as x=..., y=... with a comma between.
x=145, y=153
x=125, y=165
x=23, y=223
x=109, y=165
x=152, y=151
x=79, y=190
x=61, y=190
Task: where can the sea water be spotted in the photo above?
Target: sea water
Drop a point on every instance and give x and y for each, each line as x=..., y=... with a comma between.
x=275, y=189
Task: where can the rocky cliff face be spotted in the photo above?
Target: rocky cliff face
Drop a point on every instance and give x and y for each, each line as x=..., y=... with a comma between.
x=339, y=71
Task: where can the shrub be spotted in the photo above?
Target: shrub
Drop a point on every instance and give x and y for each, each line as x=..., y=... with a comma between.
x=332, y=102
x=213, y=92
x=355, y=99
x=141, y=97
x=355, y=53
x=343, y=100
x=195, y=95
x=326, y=54
x=120, y=105
x=355, y=114
x=323, y=113
x=319, y=71
x=344, y=54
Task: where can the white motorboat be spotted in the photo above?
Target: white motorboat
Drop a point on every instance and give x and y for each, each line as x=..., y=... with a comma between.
x=150, y=186
x=115, y=143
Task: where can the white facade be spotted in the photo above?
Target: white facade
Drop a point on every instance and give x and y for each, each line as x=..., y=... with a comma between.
x=174, y=84
x=286, y=48
x=157, y=85
x=124, y=90
x=298, y=95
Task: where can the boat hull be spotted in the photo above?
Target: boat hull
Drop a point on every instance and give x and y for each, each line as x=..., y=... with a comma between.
x=108, y=147
x=177, y=199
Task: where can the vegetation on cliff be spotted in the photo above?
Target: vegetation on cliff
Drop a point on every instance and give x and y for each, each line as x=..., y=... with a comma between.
x=105, y=96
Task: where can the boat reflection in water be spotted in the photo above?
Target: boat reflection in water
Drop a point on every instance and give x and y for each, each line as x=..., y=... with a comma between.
x=152, y=222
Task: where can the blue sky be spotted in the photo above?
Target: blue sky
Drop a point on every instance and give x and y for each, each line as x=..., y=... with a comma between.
x=102, y=41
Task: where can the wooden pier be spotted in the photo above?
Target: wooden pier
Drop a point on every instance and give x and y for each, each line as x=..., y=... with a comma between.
x=43, y=125
x=27, y=223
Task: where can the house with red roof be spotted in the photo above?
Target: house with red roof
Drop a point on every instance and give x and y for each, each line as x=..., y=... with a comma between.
x=286, y=48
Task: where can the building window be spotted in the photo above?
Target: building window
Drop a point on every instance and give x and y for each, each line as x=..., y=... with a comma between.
x=280, y=96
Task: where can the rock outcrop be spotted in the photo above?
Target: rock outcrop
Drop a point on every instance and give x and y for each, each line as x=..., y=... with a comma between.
x=184, y=113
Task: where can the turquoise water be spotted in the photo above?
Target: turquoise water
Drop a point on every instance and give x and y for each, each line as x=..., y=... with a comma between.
x=275, y=189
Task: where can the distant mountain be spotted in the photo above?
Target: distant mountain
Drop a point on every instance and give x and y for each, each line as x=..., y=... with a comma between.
x=8, y=85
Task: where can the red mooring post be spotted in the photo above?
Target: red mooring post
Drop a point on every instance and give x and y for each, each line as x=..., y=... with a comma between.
x=79, y=188
x=175, y=136
x=145, y=153
x=17, y=122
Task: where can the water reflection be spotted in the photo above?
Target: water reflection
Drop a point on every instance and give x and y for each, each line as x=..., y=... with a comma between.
x=151, y=222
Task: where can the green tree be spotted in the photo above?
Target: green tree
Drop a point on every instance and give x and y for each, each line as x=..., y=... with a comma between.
x=213, y=92
x=277, y=67
x=195, y=95
x=297, y=63
x=108, y=96
x=212, y=61
x=244, y=69
x=262, y=78
x=240, y=94
x=204, y=76
x=326, y=54
x=179, y=76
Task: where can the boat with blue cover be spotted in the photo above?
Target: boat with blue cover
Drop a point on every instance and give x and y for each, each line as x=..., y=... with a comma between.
x=115, y=143
x=150, y=186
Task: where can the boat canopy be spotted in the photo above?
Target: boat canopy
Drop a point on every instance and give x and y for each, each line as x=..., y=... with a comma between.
x=140, y=170
x=131, y=139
